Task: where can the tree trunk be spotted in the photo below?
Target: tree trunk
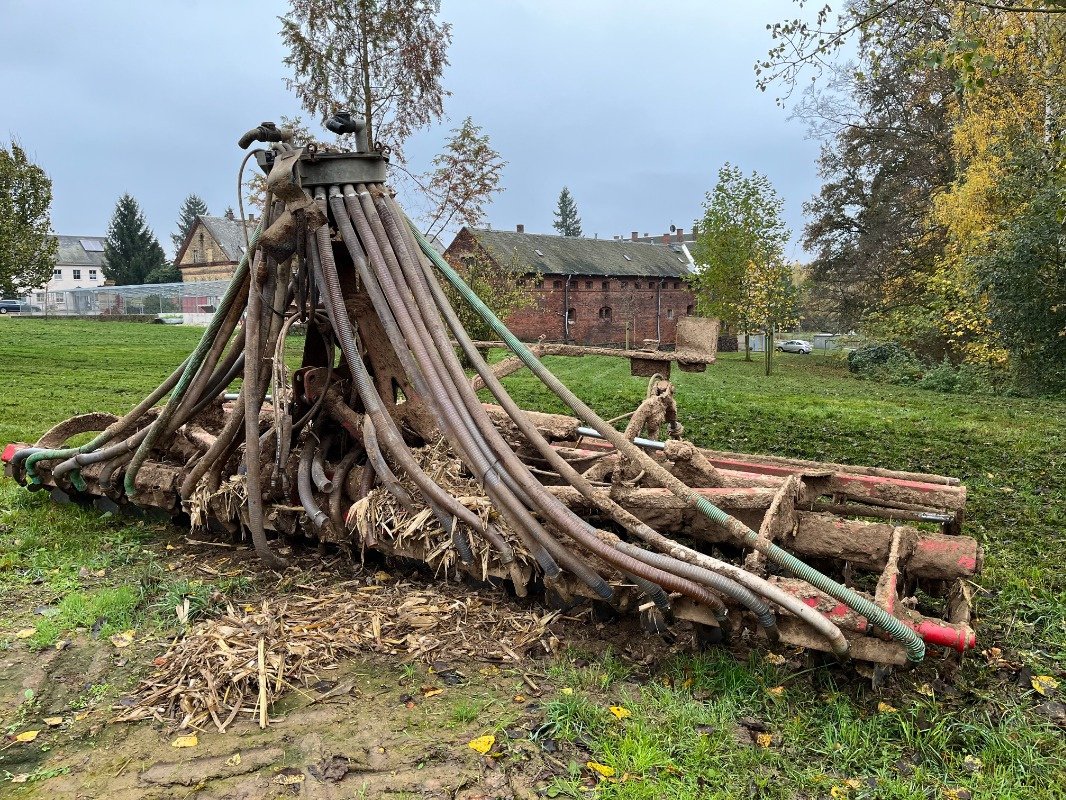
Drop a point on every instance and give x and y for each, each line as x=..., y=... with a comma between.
x=768, y=345
x=747, y=344
x=368, y=91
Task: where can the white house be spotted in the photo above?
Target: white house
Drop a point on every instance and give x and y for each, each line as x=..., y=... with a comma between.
x=79, y=265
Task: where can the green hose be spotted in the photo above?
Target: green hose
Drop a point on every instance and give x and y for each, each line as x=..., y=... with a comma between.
x=874, y=614
x=196, y=361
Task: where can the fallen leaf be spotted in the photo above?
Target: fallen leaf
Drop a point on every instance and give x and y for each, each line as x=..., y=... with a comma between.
x=518, y=698
x=52, y=722
x=26, y=736
x=926, y=690
x=25, y=633
x=775, y=659
x=621, y=712
x=123, y=639
x=853, y=783
x=885, y=708
x=432, y=692
x=234, y=760
x=839, y=792
x=1044, y=684
x=80, y=716
x=764, y=739
x=777, y=691
x=22, y=777
x=602, y=769
x=482, y=744
x=568, y=690
x=973, y=763
x=289, y=776
x=381, y=575
x=185, y=741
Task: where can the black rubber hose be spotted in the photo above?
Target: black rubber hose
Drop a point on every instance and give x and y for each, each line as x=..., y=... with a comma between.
x=340, y=478
x=318, y=467
x=303, y=484
x=384, y=472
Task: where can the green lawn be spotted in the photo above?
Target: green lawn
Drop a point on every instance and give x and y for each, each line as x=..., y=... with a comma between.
x=977, y=732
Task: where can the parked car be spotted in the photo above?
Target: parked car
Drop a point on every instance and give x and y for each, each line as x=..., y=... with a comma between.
x=795, y=346
x=15, y=307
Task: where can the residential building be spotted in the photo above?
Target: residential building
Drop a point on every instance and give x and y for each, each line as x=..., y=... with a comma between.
x=212, y=249
x=589, y=291
x=79, y=265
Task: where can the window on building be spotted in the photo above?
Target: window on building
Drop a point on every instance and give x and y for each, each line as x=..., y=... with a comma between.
x=606, y=285
x=669, y=313
x=557, y=284
x=625, y=284
x=588, y=284
x=677, y=284
x=571, y=316
x=605, y=313
x=40, y=297
x=57, y=273
x=77, y=274
x=92, y=274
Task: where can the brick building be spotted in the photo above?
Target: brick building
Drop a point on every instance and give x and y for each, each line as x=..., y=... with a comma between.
x=212, y=249
x=590, y=291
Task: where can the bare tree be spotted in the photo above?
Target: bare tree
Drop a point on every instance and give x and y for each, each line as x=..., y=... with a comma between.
x=464, y=179
x=383, y=58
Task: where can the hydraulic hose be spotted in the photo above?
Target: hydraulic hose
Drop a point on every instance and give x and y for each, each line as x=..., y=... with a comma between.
x=196, y=360
x=318, y=467
x=303, y=484
x=329, y=282
x=34, y=456
x=461, y=433
x=409, y=276
x=521, y=525
x=877, y=616
x=340, y=480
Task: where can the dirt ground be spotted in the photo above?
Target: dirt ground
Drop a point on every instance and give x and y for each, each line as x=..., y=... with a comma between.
x=373, y=725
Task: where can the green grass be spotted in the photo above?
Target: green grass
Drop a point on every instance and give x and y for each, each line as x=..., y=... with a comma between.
x=681, y=739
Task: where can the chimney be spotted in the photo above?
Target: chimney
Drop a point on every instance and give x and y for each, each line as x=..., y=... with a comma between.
x=633, y=236
x=680, y=234
x=520, y=228
x=666, y=238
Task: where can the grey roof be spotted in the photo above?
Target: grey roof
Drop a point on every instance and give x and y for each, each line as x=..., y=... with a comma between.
x=574, y=255
x=227, y=232
x=72, y=252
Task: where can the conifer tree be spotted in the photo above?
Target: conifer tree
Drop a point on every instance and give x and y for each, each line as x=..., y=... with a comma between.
x=193, y=207
x=567, y=222
x=132, y=253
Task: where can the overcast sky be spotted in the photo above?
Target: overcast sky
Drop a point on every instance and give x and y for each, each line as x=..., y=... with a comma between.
x=633, y=105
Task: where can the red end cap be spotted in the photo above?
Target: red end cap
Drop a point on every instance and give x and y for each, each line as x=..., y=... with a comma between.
x=11, y=449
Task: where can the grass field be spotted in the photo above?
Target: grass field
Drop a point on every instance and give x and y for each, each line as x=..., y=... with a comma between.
x=983, y=732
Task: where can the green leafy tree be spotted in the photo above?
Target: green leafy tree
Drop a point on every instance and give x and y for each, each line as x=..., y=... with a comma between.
x=27, y=248
x=772, y=300
x=464, y=179
x=381, y=58
x=193, y=207
x=503, y=290
x=132, y=254
x=567, y=222
x=1022, y=274
x=739, y=247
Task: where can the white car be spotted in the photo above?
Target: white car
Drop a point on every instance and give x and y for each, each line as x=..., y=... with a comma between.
x=795, y=346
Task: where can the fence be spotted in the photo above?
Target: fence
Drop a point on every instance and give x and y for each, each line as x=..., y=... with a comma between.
x=193, y=302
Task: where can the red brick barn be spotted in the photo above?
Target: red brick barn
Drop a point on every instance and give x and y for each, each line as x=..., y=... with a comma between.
x=589, y=291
